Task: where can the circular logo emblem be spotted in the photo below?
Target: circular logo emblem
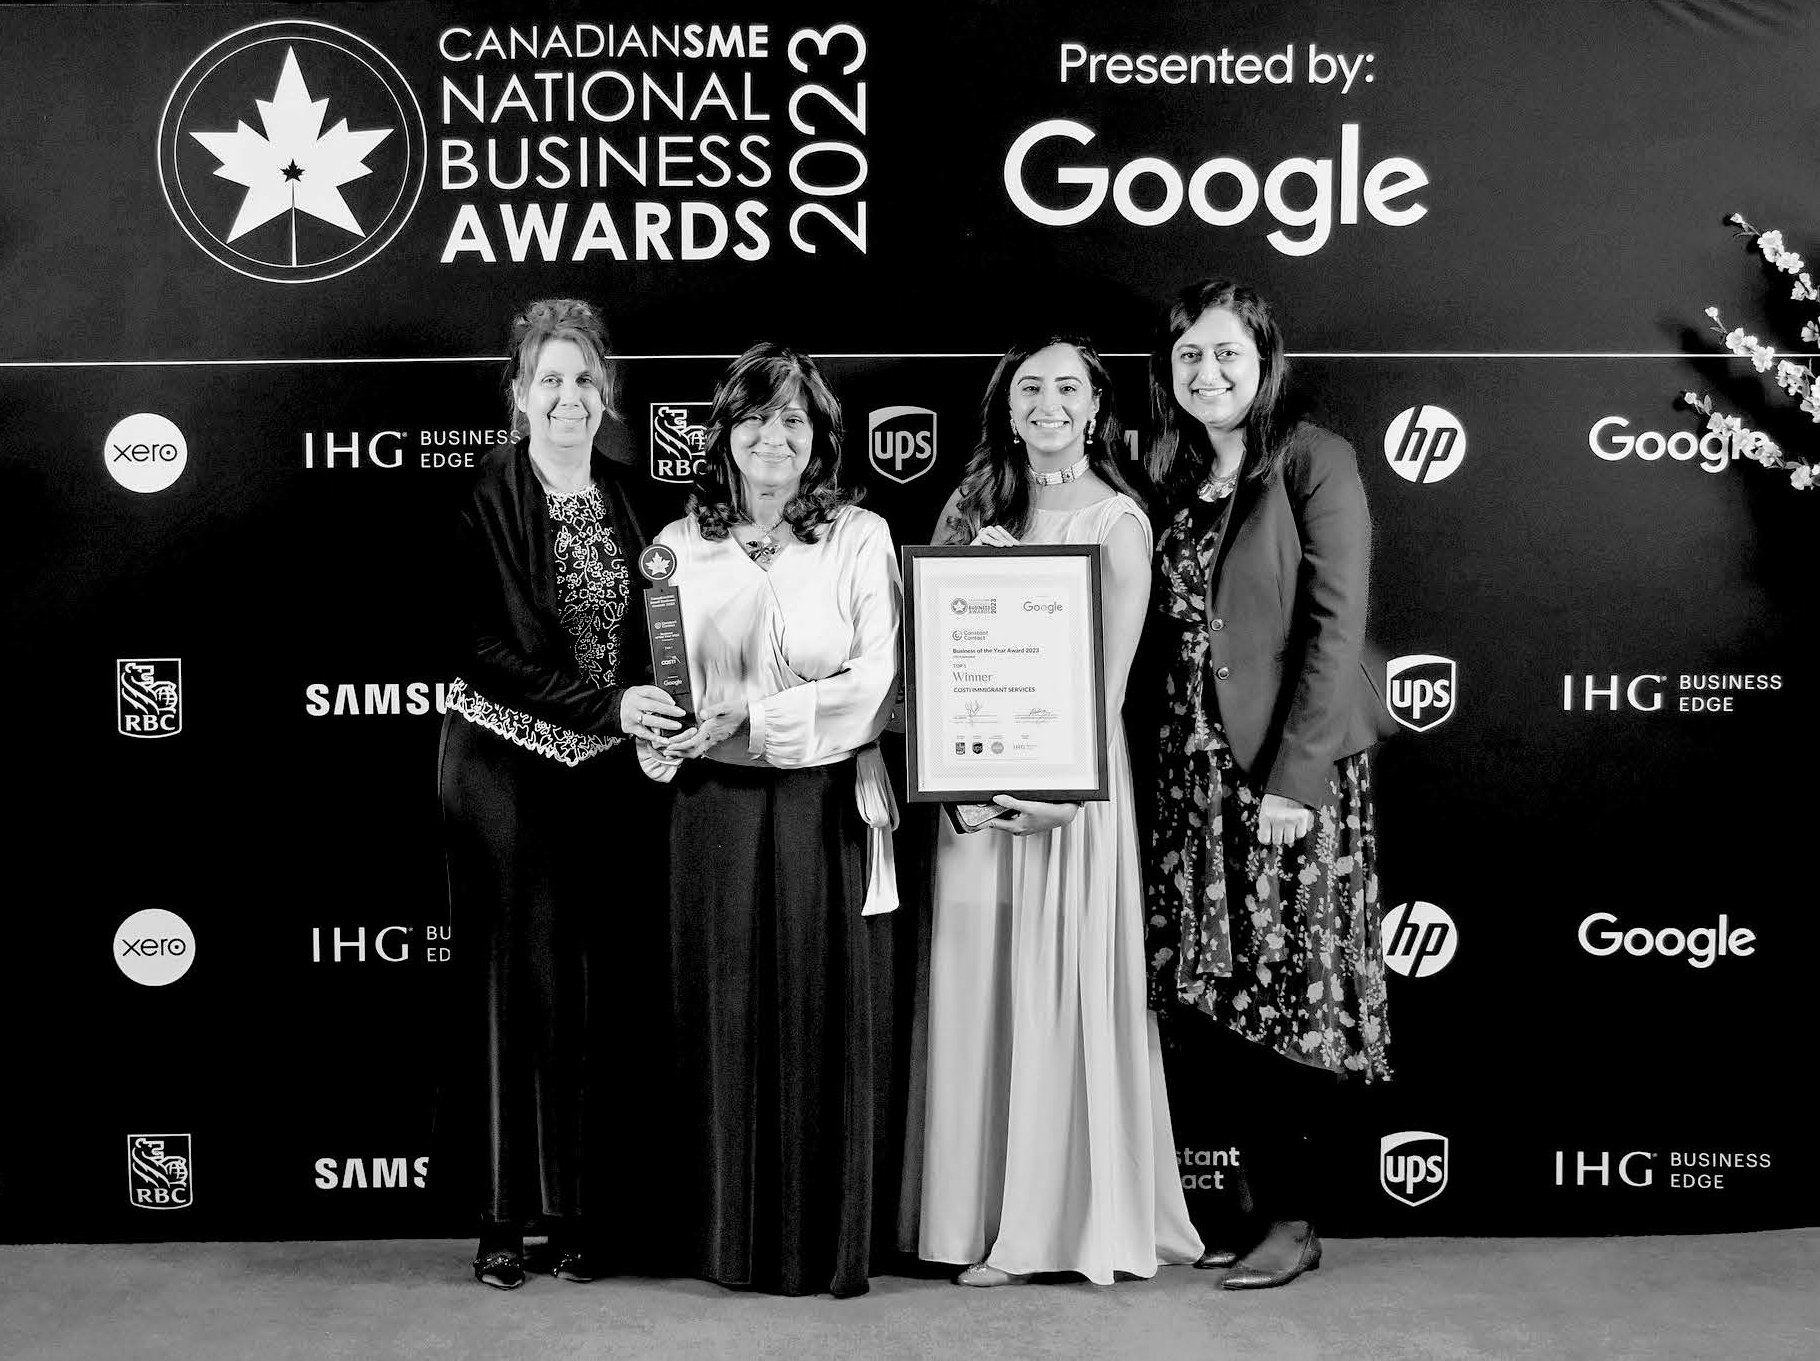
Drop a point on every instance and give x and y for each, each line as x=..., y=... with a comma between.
x=154, y=947
x=145, y=452
x=292, y=151
x=657, y=563
x=958, y=605
x=1425, y=444
x=1418, y=938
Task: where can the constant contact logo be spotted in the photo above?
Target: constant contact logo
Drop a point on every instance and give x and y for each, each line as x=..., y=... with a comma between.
x=292, y=151
x=1425, y=444
x=145, y=452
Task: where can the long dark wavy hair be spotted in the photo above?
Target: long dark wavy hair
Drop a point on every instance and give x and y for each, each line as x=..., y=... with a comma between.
x=1181, y=455
x=763, y=380
x=547, y=319
x=995, y=488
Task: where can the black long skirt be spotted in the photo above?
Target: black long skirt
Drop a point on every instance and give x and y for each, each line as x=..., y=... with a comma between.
x=557, y=991
x=783, y=1010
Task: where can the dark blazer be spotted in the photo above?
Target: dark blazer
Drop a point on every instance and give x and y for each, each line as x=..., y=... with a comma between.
x=517, y=651
x=1286, y=621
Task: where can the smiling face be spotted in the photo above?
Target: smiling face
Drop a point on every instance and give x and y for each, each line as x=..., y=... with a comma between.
x=1052, y=403
x=561, y=398
x=772, y=447
x=1214, y=370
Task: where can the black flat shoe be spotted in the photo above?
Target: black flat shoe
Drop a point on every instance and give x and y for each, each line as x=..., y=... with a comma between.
x=1283, y=1255
x=1216, y=1259
x=503, y=1269
x=578, y=1266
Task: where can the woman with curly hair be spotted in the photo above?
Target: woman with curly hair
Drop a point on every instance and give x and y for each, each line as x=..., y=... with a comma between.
x=781, y=809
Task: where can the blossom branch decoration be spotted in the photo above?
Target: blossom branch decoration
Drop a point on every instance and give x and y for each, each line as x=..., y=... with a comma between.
x=1798, y=380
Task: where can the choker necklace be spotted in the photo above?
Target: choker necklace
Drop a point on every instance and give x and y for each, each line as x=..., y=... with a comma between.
x=1074, y=472
x=765, y=547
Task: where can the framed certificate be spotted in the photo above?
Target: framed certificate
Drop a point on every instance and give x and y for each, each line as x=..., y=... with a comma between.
x=1004, y=679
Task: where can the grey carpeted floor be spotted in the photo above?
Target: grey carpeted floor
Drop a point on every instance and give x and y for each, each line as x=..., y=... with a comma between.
x=1739, y=1297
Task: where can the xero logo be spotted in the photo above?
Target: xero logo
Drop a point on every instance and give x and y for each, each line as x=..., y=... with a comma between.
x=1425, y=444
x=145, y=452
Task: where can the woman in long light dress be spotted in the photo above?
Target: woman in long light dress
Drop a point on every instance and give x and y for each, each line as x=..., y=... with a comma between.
x=1045, y=1126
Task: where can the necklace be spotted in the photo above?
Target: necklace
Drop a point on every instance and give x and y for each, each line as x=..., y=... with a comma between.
x=765, y=547
x=1074, y=472
x=1216, y=488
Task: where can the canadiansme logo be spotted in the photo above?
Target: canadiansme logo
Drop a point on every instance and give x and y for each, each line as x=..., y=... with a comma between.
x=159, y=1172
x=326, y=179
x=679, y=437
x=149, y=696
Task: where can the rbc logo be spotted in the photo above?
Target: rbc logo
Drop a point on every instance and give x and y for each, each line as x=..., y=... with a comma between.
x=679, y=437
x=1425, y=444
x=1421, y=690
x=1414, y=1158
x=901, y=441
x=158, y=1172
x=1419, y=939
x=149, y=702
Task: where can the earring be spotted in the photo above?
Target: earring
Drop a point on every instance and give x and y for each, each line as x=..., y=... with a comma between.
x=1090, y=430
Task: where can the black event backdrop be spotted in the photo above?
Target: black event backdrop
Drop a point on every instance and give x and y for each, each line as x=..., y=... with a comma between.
x=1505, y=219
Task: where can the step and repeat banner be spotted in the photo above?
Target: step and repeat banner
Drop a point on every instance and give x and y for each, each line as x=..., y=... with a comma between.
x=258, y=262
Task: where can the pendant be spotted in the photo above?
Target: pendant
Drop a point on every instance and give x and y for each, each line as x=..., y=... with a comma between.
x=762, y=549
x=1214, y=488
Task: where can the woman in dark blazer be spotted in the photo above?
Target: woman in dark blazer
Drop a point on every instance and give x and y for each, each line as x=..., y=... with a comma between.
x=541, y=797
x=1263, y=896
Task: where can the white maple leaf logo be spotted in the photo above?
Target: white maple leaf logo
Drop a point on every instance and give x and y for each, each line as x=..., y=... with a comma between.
x=295, y=167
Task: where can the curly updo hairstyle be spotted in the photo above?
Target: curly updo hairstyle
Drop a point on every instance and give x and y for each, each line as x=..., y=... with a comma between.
x=550, y=319
x=762, y=381
x=995, y=489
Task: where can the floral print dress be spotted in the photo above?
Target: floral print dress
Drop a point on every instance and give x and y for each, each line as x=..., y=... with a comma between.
x=1278, y=943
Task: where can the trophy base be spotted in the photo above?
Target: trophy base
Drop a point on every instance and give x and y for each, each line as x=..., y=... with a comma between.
x=970, y=817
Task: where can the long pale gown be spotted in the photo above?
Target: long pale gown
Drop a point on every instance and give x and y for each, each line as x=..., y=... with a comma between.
x=1046, y=1137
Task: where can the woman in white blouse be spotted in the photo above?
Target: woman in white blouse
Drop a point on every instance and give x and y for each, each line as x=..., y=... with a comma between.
x=790, y=604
